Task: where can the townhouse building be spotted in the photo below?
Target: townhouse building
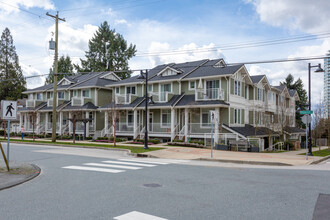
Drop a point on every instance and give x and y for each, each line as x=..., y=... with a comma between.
x=183, y=95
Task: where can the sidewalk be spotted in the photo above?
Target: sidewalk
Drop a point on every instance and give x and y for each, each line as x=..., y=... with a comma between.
x=291, y=158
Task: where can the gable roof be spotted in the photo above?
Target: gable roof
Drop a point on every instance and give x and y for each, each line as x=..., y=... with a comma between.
x=249, y=130
x=257, y=78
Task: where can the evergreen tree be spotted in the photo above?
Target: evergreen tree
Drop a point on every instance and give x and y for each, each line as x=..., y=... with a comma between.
x=108, y=51
x=64, y=66
x=302, y=93
x=12, y=82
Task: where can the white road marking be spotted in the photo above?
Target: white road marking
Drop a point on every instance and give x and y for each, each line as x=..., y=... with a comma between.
x=113, y=166
x=129, y=163
x=144, y=161
x=138, y=216
x=94, y=169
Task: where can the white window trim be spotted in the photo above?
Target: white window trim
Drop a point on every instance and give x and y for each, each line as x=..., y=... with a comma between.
x=82, y=93
x=189, y=86
x=128, y=125
x=116, y=90
x=73, y=93
x=131, y=90
x=201, y=119
x=161, y=119
x=159, y=90
x=42, y=96
x=152, y=87
x=59, y=97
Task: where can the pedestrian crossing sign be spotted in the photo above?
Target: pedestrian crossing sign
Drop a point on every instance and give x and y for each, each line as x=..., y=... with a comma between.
x=8, y=109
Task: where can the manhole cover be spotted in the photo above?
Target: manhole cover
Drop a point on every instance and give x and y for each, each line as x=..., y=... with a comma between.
x=152, y=185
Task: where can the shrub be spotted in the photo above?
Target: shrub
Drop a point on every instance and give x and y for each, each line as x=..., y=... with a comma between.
x=200, y=142
x=289, y=145
x=185, y=144
x=88, y=138
x=111, y=139
x=153, y=141
x=2, y=132
x=177, y=140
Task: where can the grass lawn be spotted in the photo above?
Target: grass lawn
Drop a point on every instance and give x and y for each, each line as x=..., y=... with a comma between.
x=321, y=153
x=132, y=148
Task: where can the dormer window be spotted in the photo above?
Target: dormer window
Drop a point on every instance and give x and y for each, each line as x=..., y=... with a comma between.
x=110, y=76
x=169, y=71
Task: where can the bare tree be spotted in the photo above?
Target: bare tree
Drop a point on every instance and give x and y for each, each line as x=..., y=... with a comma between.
x=113, y=117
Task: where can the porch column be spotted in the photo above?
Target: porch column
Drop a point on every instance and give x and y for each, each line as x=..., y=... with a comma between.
x=70, y=124
x=135, y=124
x=60, y=124
x=106, y=123
x=25, y=122
x=172, y=124
x=186, y=123
x=46, y=122
x=38, y=123
x=20, y=121
x=87, y=125
x=216, y=125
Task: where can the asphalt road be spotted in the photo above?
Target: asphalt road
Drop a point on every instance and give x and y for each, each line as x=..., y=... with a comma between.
x=171, y=190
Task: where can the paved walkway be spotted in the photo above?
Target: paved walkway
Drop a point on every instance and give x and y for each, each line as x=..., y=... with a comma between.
x=285, y=158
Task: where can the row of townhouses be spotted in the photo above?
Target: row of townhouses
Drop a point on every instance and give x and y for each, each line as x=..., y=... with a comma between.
x=183, y=95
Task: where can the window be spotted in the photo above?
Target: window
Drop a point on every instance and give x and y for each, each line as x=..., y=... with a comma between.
x=85, y=93
x=166, y=118
x=50, y=95
x=237, y=88
x=39, y=96
x=192, y=85
x=130, y=118
x=166, y=88
x=30, y=96
x=117, y=90
x=237, y=116
x=74, y=93
x=206, y=118
x=259, y=94
x=212, y=89
x=60, y=95
x=130, y=90
x=246, y=92
x=150, y=88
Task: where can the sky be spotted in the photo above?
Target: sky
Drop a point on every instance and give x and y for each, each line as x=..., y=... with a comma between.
x=206, y=29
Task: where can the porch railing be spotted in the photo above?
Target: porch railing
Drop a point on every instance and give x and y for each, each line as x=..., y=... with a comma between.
x=209, y=94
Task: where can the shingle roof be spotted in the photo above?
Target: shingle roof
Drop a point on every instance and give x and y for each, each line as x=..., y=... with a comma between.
x=256, y=78
x=87, y=106
x=50, y=108
x=292, y=92
x=280, y=87
x=40, y=106
x=249, y=130
x=91, y=79
x=170, y=103
x=131, y=105
x=293, y=130
x=210, y=70
x=190, y=100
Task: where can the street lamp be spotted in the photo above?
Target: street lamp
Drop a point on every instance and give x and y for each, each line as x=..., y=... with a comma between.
x=144, y=75
x=318, y=70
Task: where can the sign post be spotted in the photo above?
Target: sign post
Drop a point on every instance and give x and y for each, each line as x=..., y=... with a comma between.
x=212, y=113
x=306, y=119
x=9, y=111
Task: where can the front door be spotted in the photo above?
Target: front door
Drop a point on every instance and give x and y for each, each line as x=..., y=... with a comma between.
x=150, y=122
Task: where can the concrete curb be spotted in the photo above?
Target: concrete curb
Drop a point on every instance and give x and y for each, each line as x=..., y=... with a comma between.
x=227, y=161
x=36, y=173
x=320, y=160
x=76, y=146
x=246, y=162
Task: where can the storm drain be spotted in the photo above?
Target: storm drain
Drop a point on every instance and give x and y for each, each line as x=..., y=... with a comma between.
x=152, y=185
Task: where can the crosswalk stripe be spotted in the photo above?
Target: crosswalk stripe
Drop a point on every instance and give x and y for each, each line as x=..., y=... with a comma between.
x=129, y=163
x=144, y=161
x=113, y=166
x=174, y=161
x=94, y=169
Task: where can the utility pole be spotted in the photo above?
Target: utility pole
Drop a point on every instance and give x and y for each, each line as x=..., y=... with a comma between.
x=55, y=75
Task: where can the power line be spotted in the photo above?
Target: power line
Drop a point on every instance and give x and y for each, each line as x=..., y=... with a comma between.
x=26, y=11
x=187, y=66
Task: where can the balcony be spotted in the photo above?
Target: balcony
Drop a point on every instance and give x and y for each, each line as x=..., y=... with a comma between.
x=125, y=98
x=161, y=96
x=32, y=103
x=79, y=101
x=58, y=102
x=209, y=94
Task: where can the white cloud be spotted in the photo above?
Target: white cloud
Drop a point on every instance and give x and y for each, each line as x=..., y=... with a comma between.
x=188, y=52
x=29, y=71
x=10, y=6
x=120, y=21
x=305, y=15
